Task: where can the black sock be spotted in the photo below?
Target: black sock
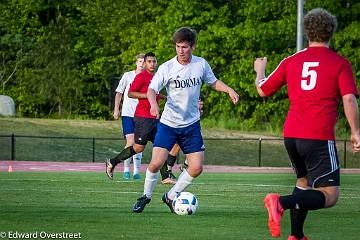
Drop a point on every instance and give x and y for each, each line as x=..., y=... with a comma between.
x=297, y=218
x=163, y=170
x=125, y=154
x=305, y=200
x=170, y=161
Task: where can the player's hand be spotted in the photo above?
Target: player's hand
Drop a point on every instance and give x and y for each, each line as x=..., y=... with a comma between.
x=233, y=95
x=355, y=142
x=116, y=115
x=260, y=64
x=154, y=110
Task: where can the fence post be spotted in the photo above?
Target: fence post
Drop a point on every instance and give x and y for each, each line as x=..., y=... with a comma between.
x=13, y=151
x=345, y=153
x=93, y=142
x=260, y=152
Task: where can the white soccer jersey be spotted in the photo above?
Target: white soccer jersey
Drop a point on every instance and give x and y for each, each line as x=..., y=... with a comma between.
x=129, y=104
x=183, y=84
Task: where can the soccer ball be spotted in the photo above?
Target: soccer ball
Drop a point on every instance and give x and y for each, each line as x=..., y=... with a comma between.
x=185, y=203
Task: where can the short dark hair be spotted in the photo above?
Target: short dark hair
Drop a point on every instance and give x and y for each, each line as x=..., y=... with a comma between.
x=319, y=25
x=185, y=34
x=149, y=54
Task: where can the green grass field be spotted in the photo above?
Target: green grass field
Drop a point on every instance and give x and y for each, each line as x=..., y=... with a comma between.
x=230, y=207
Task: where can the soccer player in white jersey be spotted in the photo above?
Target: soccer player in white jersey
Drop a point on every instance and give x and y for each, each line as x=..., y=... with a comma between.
x=127, y=115
x=182, y=76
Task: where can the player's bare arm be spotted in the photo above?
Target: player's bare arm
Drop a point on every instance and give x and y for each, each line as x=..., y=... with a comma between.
x=136, y=95
x=118, y=97
x=154, y=110
x=351, y=110
x=259, y=67
x=222, y=87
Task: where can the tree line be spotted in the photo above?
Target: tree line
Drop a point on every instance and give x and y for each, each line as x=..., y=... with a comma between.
x=64, y=58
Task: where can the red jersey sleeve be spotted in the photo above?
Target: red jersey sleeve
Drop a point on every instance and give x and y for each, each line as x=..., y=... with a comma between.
x=275, y=80
x=136, y=84
x=346, y=80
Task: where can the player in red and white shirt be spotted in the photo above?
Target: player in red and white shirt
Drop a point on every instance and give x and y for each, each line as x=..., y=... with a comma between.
x=145, y=123
x=316, y=77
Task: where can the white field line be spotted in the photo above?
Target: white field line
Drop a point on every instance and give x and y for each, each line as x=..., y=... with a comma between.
x=83, y=191
x=196, y=183
x=343, y=196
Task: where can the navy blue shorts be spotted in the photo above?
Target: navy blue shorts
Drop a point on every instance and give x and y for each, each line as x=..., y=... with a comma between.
x=128, y=125
x=189, y=138
x=315, y=159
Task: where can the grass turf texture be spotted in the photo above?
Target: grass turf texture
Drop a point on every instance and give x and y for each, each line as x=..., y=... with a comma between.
x=230, y=207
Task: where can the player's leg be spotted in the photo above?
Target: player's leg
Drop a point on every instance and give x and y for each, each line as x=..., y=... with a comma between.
x=130, y=141
x=128, y=127
x=275, y=209
x=141, y=129
x=127, y=162
x=191, y=143
x=166, y=170
x=158, y=159
x=186, y=177
x=323, y=175
x=137, y=164
x=298, y=216
x=163, y=140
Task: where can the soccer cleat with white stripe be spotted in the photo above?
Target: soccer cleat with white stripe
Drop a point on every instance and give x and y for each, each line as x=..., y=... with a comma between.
x=109, y=169
x=141, y=203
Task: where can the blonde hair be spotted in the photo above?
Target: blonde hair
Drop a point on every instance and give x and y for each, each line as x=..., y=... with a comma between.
x=141, y=55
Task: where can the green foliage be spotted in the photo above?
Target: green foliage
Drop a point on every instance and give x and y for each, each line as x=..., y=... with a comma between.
x=64, y=58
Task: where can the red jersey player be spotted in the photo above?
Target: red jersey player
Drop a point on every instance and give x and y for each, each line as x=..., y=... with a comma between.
x=145, y=124
x=316, y=77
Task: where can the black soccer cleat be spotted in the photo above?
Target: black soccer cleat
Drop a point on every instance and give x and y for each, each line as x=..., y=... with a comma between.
x=109, y=168
x=168, y=202
x=141, y=203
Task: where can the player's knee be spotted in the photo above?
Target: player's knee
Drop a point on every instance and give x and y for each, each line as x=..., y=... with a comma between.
x=331, y=196
x=195, y=171
x=331, y=200
x=154, y=167
x=138, y=148
x=302, y=183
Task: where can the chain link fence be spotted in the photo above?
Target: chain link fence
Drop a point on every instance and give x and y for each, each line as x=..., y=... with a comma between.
x=267, y=152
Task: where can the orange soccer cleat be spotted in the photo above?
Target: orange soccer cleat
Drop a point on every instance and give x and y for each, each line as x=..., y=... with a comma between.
x=275, y=211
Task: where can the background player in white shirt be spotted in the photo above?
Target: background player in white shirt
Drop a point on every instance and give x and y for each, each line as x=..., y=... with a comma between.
x=182, y=76
x=127, y=114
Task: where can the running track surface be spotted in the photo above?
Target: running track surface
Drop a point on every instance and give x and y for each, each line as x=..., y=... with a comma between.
x=33, y=166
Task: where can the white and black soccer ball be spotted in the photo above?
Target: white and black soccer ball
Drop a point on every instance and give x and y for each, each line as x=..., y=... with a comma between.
x=185, y=203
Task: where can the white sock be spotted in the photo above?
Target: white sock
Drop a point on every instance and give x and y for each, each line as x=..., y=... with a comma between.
x=127, y=165
x=184, y=181
x=150, y=182
x=137, y=162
